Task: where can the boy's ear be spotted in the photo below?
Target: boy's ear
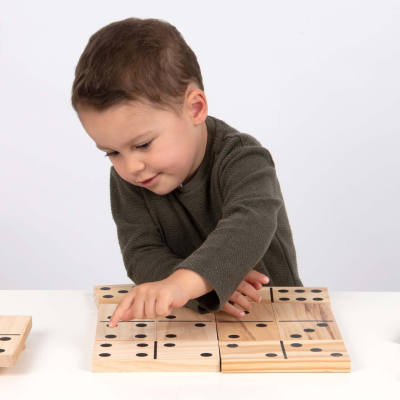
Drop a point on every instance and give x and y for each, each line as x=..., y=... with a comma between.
x=198, y=107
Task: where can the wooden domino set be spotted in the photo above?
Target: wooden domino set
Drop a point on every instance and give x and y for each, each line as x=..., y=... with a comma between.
x=292, y=329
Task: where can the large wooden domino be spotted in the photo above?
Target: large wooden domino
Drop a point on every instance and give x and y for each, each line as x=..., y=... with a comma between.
x=14, y=330
x=291, y=330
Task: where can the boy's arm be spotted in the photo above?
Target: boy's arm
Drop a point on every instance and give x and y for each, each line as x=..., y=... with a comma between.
x=142, y=245
x=251, y=202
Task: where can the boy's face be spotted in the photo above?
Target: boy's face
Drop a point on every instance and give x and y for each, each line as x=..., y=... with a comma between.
x=171, y=148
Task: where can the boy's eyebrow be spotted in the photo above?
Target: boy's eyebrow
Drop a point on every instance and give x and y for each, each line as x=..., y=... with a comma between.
x=130, y=141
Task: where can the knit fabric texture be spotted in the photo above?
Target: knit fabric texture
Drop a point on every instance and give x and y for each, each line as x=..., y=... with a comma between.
x=228, y=219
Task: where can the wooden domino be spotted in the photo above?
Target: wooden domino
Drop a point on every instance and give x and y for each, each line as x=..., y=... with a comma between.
x=111, y=294
x=291, y=330
x=14, y=330
x=182, y=341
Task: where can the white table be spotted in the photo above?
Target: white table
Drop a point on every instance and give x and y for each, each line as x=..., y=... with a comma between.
x=56, y=363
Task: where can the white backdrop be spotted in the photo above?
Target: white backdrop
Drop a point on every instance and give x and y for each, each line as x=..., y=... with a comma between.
x=315, y=82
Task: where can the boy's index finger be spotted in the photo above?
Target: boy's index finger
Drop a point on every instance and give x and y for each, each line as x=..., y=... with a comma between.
x=115, y=318
x=124, y=305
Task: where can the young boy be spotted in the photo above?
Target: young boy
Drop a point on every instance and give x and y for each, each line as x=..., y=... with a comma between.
x=200, y=216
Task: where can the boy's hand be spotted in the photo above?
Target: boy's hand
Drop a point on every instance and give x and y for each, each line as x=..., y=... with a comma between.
x=249, y=287
x=150, y=300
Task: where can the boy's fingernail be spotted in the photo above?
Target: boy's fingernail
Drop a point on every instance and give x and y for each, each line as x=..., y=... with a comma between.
x=266, y=279
x=110, y=325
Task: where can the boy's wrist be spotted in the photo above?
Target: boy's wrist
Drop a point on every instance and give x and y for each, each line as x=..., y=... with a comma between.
x=195, y=284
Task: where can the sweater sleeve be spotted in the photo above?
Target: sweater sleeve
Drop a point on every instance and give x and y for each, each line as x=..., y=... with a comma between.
x=251, y=201
x=146, y=257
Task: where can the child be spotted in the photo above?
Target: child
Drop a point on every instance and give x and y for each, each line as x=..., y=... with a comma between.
x=197, y=204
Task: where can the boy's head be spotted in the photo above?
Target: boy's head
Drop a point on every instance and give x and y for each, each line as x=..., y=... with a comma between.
x=137, y=76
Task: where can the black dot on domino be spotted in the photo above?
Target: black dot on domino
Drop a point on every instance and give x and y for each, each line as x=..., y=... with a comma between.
x=114, y=326
x=284, y=298
x=309, y=330
x=106, y=345
x=200, y=325
x=261, y=325
x=232, y=345
x=233, y=336
x=300, y=291
x=141, y=325
x=2, y=350
x=142, y=345
x=105, y=288
x=142, y=354
x=301, y=299
x=322, y=324
x=169, y=344
x=336, y=354
x=104, y=354
x=246, y=312
x=206, y=354
x=271, y=355
x=108, y=296
x=317, y=298
x=296, y=345
x=111, y=336
x=170, y=335
x=295, y=336
x=316, y=291
x=141, y=336
x=4, y=339
x=122, y=291
x=283, y=291
x=315, y=349
x=171, y=316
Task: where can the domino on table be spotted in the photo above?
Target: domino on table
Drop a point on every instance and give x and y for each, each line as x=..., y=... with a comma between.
x=14, y=330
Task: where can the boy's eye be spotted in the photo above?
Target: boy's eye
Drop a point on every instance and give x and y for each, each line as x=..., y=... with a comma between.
x=115, y=153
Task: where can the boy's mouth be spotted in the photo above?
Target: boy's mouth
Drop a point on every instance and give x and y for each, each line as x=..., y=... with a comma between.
x=150, y=181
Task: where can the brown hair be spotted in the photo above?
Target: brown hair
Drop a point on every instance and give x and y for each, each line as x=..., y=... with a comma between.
x=139, y=60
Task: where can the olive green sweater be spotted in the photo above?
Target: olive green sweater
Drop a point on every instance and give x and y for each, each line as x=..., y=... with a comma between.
x=228, y=219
